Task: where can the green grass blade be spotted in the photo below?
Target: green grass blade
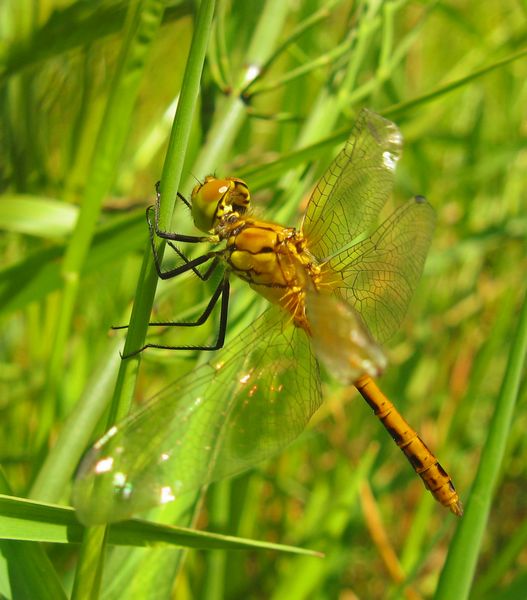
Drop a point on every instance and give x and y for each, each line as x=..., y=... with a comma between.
x=148, y=277
x=172, y=170
x=31, y=573
x=71, y=28
x=26, y=572
x=143, y=22
x=456, y=577
x=37, y=216
x=110, y=243
x=26, y=520
x=402, y=107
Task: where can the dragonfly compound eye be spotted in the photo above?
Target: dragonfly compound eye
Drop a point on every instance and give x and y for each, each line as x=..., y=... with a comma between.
x=216, y=198
x=206, y=199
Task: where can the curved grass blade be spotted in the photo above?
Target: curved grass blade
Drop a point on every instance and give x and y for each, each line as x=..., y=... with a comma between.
x=457, y=575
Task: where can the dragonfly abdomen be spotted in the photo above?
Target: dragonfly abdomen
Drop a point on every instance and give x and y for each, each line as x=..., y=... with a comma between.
x=424, y=463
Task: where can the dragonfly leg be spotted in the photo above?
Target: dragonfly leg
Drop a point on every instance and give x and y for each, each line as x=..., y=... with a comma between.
x=155, y=231
x=189, y=264
x=222, y=290
x=203, y=276
x=199, y=321
x=169, y=235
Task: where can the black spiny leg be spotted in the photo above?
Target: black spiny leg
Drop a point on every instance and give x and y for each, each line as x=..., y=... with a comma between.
x=169, y=235
x=189, y=265
x=203, y=276
x=223, y=291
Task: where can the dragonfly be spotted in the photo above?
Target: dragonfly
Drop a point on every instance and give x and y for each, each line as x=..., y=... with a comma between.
x=335, y=292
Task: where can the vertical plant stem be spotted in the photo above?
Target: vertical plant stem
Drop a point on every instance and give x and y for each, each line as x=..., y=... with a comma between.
x=143, y=22
x=226, y=125
x=170, y=179
x=228, y=121
x=457, y=575
x=89, y=569
x=148, y=278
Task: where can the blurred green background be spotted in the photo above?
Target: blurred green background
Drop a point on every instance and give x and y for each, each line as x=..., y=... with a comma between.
x=343, y=488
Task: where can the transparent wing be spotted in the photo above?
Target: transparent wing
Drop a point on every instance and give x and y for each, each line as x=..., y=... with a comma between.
x=254, y=399
x=378, y=275
x=349, y=196
x=340, y=340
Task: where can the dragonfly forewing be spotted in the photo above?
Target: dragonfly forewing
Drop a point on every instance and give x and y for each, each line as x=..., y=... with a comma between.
x=349, y=196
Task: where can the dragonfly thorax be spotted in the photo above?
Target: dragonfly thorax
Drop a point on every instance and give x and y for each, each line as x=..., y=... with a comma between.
x=215, y=199
x=274, y=260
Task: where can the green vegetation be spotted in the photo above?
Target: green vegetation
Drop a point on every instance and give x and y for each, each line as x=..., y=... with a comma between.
x=87, y=97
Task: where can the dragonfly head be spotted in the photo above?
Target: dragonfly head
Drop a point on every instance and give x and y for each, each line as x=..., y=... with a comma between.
x=215, y=198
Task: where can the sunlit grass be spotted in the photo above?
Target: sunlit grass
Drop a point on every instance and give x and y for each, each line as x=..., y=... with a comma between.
x=343, y=488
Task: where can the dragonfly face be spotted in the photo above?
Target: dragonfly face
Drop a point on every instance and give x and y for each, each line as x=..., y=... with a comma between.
x=334, y=299
x=215, y=199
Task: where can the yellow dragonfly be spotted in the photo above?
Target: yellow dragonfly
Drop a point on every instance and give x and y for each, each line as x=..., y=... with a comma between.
x=334, y=295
